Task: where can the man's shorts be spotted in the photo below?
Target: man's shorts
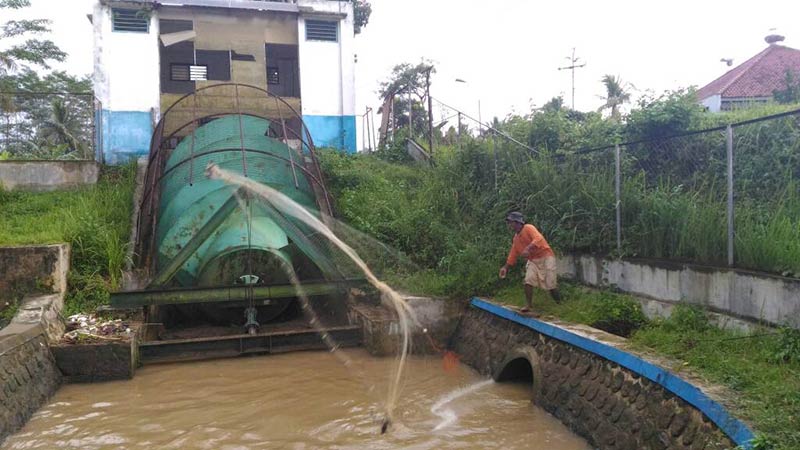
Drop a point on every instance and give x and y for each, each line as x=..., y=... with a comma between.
x=541, y=273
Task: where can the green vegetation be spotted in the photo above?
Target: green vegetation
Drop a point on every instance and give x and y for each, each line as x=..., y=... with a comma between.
x=763, y=368
x=95, y=221
x=35, y=125
x=448, y=219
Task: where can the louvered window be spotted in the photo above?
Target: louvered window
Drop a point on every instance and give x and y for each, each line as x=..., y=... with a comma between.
x=132, y=20
x=273, y=75
x=322, y=30
x=188, y=72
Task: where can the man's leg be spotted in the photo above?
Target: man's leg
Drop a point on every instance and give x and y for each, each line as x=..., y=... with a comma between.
x=529, y=296
x=531, y=276
x=549, y=270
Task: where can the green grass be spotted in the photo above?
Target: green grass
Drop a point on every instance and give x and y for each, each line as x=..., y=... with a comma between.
x=95, y=221
x=767, y=386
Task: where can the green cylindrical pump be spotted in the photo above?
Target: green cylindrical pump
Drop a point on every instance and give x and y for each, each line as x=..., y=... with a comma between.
x=248, y=246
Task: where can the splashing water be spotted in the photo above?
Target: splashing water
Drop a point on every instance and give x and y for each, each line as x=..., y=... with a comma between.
x=447, y=415
x=288, y=206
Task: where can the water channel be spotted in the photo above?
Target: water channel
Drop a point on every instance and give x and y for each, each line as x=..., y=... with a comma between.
x=305, y=400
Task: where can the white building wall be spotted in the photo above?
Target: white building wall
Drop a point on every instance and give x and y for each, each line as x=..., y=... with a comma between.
x=713, y=103
x=327, y=76
x=127, y=83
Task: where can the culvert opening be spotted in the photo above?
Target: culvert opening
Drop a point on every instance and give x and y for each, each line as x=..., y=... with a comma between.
x=517, y=371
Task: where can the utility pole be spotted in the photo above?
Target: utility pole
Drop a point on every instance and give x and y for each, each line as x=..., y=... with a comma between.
x=573, y=65
x=410, y=116
x=430, y=109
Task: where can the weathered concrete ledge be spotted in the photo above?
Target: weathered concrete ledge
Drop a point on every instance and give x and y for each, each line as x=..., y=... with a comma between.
x=590, y=381
x=28, y=372
x=738, y=294
x=47, y=175
x=434, y=322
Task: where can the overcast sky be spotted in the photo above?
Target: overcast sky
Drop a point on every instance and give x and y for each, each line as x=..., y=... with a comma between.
x=509, y=51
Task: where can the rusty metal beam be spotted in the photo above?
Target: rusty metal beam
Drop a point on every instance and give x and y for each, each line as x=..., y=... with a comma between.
x=133, y=299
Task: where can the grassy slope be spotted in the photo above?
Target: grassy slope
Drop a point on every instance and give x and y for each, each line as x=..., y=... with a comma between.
x=95, y=221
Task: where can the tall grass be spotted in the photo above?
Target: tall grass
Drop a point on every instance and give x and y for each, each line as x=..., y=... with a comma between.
x=768, y=234
x=449, y=218
x=95, y=221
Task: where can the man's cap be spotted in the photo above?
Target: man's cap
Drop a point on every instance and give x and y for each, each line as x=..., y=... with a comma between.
x=515, y=216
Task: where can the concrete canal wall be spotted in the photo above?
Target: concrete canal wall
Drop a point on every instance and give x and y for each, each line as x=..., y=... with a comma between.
x=28, y=372
x=47, y=175
x=734, y=293
x=585, y=378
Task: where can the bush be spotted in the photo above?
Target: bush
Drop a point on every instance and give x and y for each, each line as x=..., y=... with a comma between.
x=617, y=314
x=787, y=348
x=687, y=318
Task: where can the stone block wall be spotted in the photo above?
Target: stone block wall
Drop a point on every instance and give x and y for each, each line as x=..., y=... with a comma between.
x=28, y=372
x=28, y=377
x=610, y=406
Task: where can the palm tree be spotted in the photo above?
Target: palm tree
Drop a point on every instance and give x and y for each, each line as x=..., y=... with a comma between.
x=63, y=129
x=616, y=94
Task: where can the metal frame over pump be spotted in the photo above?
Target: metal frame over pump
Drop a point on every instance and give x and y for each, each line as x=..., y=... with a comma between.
x=204, y=244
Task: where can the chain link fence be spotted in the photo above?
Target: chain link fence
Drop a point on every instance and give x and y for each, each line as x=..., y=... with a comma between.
x=49, y=126
x=724, y=196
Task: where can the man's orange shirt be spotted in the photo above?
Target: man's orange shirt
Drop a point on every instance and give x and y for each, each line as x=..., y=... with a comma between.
x=527, y=235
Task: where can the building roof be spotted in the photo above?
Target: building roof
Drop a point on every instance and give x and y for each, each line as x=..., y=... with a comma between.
x=260, y=5
x=759, y=76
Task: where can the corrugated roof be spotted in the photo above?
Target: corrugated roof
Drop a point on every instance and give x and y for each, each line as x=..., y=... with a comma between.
x=759, y=76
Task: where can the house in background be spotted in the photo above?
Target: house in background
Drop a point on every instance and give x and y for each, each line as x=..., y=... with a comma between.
x=150, y=53
x=753, y=81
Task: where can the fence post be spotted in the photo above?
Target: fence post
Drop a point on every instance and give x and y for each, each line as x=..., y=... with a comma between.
x=494, y=150
x=618, y=189
x=729, y=142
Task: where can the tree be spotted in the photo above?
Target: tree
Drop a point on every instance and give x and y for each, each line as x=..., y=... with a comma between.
x=791, y=92
x=361, y=12
x=38, y=52
x=616, y=95
x=409, y=81
x=51, y=125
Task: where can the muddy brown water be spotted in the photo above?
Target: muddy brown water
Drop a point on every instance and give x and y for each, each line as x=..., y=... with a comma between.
x=305, y=400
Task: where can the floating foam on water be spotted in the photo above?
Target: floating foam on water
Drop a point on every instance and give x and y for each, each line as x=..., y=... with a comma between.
x=447, y=415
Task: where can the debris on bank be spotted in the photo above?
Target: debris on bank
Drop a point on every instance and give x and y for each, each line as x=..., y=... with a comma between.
x=89, y=328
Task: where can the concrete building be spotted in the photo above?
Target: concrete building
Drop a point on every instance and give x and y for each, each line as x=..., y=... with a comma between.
x=150, y=53
x=753, y=81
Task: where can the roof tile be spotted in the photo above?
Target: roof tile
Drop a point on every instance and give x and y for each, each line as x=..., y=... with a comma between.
x=759, y=76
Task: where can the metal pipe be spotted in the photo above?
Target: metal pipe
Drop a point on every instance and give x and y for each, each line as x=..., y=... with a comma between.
x=131, y=299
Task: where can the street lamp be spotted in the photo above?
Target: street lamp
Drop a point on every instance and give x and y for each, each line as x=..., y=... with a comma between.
x=480, y=119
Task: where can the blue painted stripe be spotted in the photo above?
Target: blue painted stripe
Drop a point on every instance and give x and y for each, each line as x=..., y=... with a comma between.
x=332, y=131
x=734, y=428
x=125, y=135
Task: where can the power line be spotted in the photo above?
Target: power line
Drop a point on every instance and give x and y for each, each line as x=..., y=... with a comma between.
x=488, y=127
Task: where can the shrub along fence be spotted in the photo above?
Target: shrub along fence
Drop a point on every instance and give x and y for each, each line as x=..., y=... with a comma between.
x=739, y=183
x=727, y=196
x=681, y=198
